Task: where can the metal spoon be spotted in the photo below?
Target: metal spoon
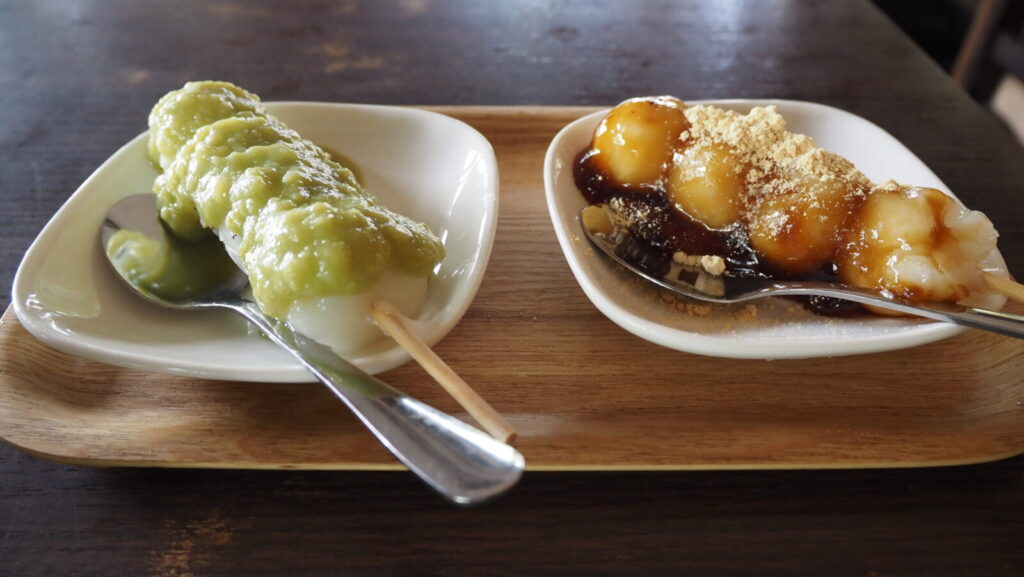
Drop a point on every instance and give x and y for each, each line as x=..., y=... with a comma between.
x=658, y=268
x=462, y=463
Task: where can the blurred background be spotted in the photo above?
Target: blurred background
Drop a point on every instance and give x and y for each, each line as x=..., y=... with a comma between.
x=978, y=42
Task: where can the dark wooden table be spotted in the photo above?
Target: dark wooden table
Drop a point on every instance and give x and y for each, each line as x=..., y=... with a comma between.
x=77, y=80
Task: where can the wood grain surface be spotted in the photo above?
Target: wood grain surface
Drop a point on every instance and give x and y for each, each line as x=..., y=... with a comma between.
x=77, y=80
x=564, y=376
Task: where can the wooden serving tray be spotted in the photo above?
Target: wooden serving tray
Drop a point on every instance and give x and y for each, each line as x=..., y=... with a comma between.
x=583, y=393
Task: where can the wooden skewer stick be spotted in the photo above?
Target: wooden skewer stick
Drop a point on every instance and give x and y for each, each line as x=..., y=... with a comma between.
x=1004, y=285
x=395, y=326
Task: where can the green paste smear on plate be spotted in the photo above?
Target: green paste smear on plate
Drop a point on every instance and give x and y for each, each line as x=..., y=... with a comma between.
x=308, y=229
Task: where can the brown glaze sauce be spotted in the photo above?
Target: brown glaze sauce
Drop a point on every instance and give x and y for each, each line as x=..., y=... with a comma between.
x=668, y=230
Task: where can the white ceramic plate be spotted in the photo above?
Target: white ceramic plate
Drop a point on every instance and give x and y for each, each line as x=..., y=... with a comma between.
x=428, y=166
x=780, y=329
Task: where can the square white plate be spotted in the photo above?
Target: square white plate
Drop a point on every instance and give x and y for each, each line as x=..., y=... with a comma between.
x=428, y=166
x=780, y=329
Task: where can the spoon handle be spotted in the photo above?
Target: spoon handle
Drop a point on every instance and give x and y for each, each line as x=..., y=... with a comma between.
x=1007, y=324
x=462, y=463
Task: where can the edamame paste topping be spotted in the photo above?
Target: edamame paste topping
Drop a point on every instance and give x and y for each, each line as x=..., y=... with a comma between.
x=305, y=226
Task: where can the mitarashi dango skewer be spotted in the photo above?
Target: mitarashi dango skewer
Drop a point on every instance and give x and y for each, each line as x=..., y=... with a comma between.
x=701, y=180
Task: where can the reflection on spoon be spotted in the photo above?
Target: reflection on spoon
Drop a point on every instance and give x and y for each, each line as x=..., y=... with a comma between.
x=170, y=268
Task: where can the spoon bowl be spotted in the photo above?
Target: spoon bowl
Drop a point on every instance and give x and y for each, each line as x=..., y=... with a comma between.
x=697, y=283
x=462, y=463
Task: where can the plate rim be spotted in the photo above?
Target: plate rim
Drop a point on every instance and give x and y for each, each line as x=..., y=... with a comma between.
x=918, y=332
